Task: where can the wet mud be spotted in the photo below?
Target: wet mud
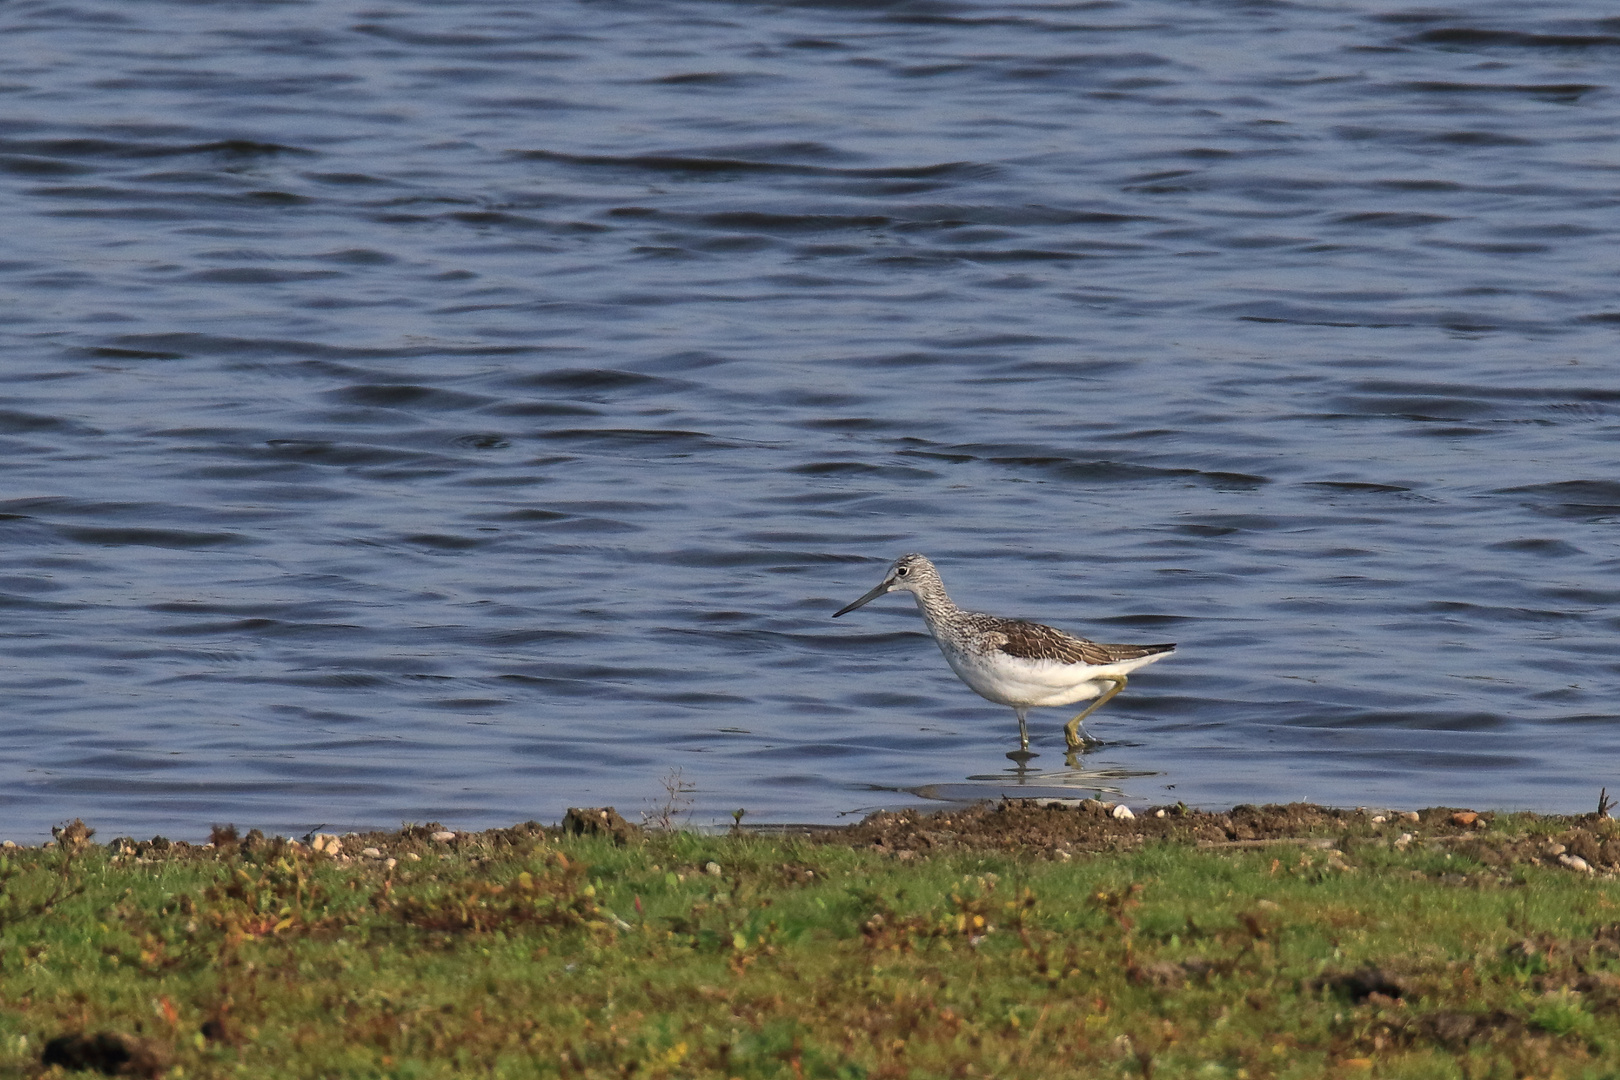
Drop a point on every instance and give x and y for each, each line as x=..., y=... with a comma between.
x=1040, y=828
x=1052, y=829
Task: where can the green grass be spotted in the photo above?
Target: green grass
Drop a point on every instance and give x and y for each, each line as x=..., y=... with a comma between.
x=525, y=954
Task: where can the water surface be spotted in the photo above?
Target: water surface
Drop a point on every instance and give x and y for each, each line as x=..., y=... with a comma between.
x=424, y=411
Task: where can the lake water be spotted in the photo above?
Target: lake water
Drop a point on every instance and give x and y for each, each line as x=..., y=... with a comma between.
x=462, y=411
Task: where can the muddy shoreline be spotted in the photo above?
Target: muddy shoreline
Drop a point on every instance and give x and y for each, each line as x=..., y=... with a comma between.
x=1039, y=828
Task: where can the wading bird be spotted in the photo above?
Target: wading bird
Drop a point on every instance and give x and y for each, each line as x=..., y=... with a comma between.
x=1012, y=662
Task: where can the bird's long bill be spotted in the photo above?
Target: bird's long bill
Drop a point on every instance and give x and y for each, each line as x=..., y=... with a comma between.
x=882, y=588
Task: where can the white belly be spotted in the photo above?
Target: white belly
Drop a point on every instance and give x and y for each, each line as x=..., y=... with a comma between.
x=1009, y=680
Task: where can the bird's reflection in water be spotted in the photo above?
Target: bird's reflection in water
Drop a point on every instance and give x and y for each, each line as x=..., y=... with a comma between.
x=1069, y=784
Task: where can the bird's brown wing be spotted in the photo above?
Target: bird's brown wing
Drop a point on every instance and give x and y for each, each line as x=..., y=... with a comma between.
x=1034, y=641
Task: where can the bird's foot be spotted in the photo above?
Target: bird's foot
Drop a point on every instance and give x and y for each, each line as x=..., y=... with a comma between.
x=1078, y=751
x=1080, y=741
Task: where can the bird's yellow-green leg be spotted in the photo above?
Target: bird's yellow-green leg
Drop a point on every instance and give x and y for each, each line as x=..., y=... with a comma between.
x=1022, y=754
x=1071, y=730
x=1023, y=731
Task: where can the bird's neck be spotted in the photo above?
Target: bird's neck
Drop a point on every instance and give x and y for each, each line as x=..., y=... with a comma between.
x=935, y=603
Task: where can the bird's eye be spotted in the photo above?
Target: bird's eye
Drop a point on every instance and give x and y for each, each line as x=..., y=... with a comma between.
x=903, y=571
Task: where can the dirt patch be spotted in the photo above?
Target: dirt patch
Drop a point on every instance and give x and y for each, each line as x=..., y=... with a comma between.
x=1363, y=983
x=1063, y=828
x=1050, y=828
x=599, y=821
x=1055, y=828
x=1448, y=1029
x=110, y=1053
x=374, y=846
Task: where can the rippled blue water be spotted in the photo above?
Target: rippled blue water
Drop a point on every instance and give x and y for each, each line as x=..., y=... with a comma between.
x=461, y=411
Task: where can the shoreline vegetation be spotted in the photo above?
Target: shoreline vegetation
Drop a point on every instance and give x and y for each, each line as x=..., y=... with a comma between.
x=1025, y=938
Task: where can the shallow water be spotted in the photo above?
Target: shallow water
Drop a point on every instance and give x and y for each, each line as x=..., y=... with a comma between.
x=425, y=411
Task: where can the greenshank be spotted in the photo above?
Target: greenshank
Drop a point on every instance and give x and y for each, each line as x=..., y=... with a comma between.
x=1013, y=662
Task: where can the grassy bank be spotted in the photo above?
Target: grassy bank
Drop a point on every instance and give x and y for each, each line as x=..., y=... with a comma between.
x=1012, y=941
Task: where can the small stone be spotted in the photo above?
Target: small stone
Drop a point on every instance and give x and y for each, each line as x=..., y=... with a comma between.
x=444, y=836
x=1379, y=819
x=1464, y=818
x=371, y=853
x=1576, y=863
x=9, y=844
x=1556, y=849
x=1123, y=813
x=1159, y=812
x=327, y=844
x=1410, y=816
x=712, y=869
x=390, y=863
x=413, y=856
x=1403, y=841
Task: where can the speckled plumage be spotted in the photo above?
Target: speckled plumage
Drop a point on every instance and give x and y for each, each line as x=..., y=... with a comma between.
x=1036, y=641
x=1012, y=661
